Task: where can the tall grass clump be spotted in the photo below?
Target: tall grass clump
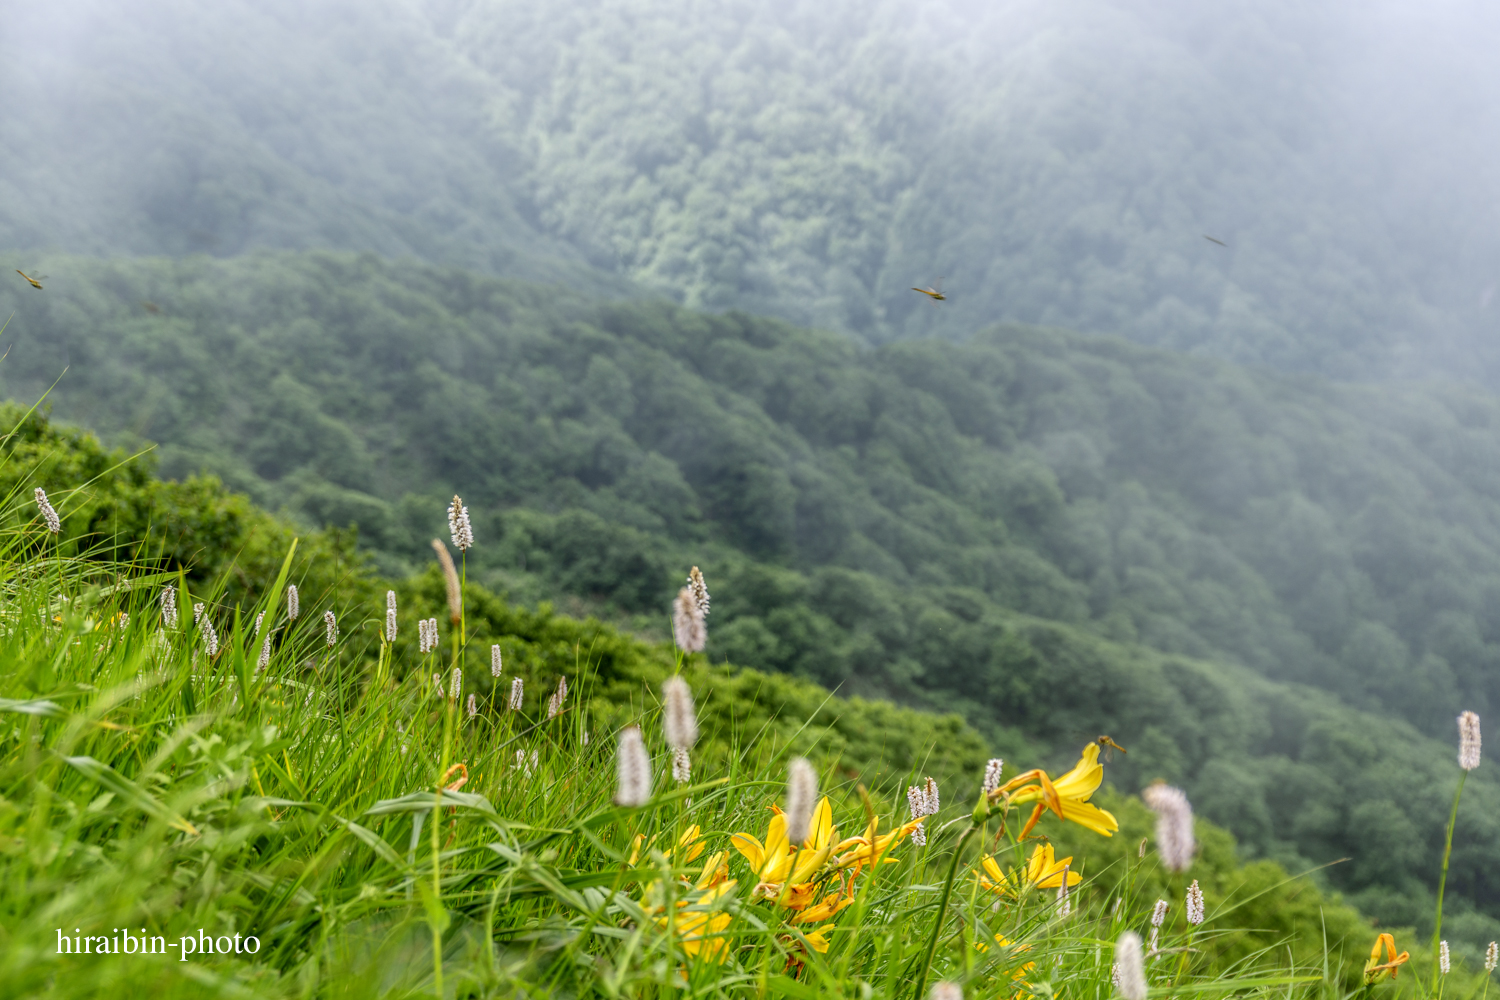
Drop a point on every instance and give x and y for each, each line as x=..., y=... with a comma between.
x=379, y=818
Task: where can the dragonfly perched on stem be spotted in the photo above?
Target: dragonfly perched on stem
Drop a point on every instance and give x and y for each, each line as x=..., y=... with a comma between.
x=935, y=291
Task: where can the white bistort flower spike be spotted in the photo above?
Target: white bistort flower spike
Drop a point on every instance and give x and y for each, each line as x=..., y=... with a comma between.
x=494, y=661
x=1194, y=904
x=688, y=630
x=390, y=616
x=458, y=525
x=331, y=628
x=49, y=513
x=1468, y=741
x=1174, y=825
x=456, y=684
x=1158, y=915
x=679, y=717
x=992, y=774
x=292, y=607
x=946, y=991
x=210, y=637
x=682, y=766
x=699, y=589
x=516, y=692
x=264, y=660
x=559, y=698
x=473, y=705
x=922, y=800
x=1131, y=967
x=1492, y=956
x=633, y=769
x=1443, y=957
x=801, y=798
x=169, y=607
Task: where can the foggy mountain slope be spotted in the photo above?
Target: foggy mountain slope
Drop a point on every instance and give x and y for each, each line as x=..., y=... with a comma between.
x=1336, y=535
x=1060, y=163
x=1273, y=589
x=175, y=127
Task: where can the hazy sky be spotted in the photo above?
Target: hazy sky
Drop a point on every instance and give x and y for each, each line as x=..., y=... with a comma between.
x=1059, y=162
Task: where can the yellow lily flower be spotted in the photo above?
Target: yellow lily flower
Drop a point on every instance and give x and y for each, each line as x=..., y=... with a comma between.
x=1042, y=871
x=797, y=878
x=830, y=905
x=778, y=865
x=1017, y=975
x=1068, y=796
x=689, y=842
x=1377, y=971
x=700, y=922
x=818, y=938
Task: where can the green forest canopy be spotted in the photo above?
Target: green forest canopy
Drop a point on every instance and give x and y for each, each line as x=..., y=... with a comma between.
x=1273, y=590
x=1060, y=163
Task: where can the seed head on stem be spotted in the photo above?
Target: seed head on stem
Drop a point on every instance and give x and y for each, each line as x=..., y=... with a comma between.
x=1130, y=966
x=390, y=616
x=456, y=683
x=1468, y=741
x=688, y=629
x=494, y=661
x=1174, y=825
x=633, y=769
x=293, y=608
x=330, y=628
x=801, y=798
x=682, y=766
x=169, y=607
x=1492, y=956
x=516, y=693
x=679, y=717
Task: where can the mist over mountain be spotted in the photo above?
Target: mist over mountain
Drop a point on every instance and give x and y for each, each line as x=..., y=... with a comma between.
x=1058, y=163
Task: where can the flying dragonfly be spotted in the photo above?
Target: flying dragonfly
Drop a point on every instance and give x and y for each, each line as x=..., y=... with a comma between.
x=35, y=282
x=935, y=292
x=1212, y=240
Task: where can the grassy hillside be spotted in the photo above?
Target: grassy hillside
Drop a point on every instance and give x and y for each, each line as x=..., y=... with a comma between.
x=1060, y=163
x=1276, y=592
x=248, y=776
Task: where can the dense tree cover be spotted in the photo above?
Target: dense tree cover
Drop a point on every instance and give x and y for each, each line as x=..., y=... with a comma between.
x=1272, y=590
x=1058, y=162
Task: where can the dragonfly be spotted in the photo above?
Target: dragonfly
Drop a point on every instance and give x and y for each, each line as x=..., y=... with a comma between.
x=1212, y=240
x=935, y=292
x=35, y=282
x=1109, y=745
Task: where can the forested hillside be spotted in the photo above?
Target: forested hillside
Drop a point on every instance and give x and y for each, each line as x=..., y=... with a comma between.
x=1059, y=163
x=1274, y=590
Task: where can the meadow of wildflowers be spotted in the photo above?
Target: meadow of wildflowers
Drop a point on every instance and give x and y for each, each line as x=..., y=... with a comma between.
x=479, y=807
